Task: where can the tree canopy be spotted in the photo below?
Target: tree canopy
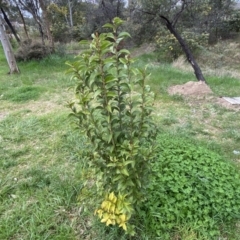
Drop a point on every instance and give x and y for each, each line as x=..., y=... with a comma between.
x=65, y=20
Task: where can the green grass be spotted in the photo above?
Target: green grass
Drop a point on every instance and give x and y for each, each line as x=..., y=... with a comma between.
x=205, y=120
x=164, y=75
x=48, y=73
x=3, y=61
x=224, y=86
x=40, y=185
x=42, y=157
x=23, y=93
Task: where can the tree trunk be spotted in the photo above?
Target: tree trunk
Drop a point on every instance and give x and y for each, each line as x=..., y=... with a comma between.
x=70, y=13
x=187, y=51
x=70, y=6
x=8, y=49
x=40, y=29
x=23, y=21
x=10, y=25
x=33, y=9
x=46, y=23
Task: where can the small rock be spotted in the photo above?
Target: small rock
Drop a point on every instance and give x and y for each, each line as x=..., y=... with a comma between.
x=236, y=152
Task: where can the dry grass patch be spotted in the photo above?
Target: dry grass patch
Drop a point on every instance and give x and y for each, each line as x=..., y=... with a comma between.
x=215, y=62
x=45, y=105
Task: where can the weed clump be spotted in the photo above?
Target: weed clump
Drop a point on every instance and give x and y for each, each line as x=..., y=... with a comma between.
x=30, y=50
x=191, y=186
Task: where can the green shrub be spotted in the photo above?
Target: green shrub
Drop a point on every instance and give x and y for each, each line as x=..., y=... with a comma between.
x=190, y=186
x=118, y=124
x=169, y=49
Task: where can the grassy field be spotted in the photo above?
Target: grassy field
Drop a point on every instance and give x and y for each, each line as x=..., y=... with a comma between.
x=40, y=154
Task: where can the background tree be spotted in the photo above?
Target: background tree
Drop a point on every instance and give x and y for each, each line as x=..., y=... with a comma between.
x=191, y=14
x=10, y=25
x=14, y=12
x=103, y=12
x=74, y=20
x=46, y=22
x=16, y=5
x=58, y=16
x=32, y=7
x=219, y=11
x=208, y=16
x=8, y=49
x=168, y=13
x=38, y=10
x=67, y=18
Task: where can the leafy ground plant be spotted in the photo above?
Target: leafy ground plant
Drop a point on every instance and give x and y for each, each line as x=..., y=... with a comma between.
x=191, y=186
x=117, y=122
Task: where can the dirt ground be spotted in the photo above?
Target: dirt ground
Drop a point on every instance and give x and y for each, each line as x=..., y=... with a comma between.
x=200, y=91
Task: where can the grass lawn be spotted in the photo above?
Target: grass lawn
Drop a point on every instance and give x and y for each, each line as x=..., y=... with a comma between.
x=40, y=153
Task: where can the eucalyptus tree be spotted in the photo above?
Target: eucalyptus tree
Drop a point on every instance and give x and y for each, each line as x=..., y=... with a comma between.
x=220, y=11
x=208, y=16
x=198, y=15
x=38, y=10
x=67, y=18
x=16, y=5
x=11, y=9
x=169, y=13
x=10, y=24
x=46, y=22
x=71, y=7
x=8, y=49
x=111, y=8
x=103, y=11
x=33, y=8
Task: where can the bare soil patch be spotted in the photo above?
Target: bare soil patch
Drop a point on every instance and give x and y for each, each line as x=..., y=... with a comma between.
x=191, y=89
x=200, y=91
x=43, y=107
x=2, y=115
x=36, y=107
